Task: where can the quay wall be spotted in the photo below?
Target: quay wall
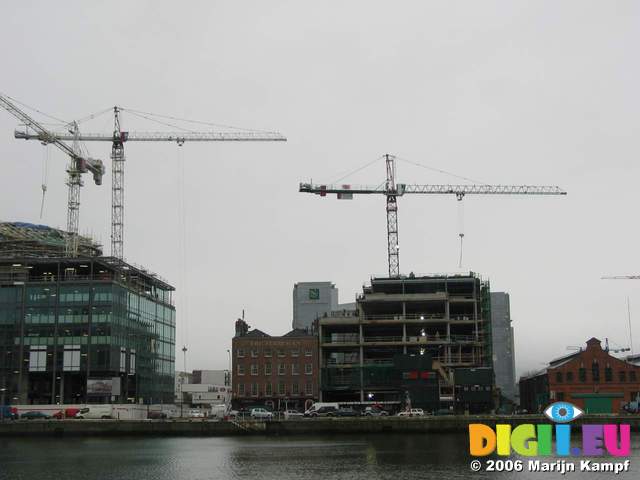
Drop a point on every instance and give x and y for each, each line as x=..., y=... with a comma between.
x=199, y=427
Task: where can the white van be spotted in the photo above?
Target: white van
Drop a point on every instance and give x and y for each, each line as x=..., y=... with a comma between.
x=318, y=405
x=95, y=412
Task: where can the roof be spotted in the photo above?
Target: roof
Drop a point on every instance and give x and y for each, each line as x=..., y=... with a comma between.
x=29, y=240
x=297, y=332
x=256, y=333
x=556, y=362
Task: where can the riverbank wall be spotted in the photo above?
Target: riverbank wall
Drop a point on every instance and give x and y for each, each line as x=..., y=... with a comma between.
x=329, y=426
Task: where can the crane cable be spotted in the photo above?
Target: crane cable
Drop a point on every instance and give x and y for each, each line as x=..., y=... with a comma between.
x=182, y=221
x=45, y=177
x=460, y=226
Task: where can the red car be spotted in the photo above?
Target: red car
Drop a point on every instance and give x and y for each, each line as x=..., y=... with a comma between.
x=66, y=413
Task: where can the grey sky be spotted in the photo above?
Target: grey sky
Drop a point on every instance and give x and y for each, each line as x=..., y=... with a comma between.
x=503, y=92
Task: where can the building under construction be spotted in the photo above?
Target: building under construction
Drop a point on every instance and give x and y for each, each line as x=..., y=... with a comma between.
x=83, y=329
x=446, y=318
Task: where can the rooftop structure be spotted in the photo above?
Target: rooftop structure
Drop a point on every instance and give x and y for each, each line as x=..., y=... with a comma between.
x=28, y=240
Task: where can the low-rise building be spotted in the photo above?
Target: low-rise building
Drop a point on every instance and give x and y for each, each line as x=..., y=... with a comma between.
x=592, y=379
x=275, y=371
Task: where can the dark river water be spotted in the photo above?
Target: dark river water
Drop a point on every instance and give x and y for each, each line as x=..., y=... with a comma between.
x=415, y=456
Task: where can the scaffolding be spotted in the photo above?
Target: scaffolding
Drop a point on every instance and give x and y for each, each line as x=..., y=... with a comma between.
x=28, y=240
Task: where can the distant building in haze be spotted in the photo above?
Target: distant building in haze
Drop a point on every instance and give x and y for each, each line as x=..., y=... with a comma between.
x=504, y=360
x=312, y=300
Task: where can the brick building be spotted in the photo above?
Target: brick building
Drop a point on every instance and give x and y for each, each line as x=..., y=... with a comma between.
x=277, y=372
x=592, y=379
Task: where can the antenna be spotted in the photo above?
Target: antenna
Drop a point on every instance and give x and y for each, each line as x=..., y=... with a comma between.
x=629, y=320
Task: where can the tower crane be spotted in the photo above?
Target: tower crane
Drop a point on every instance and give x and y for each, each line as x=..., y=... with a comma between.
x=78, y=164
x=118, y=138
x=392, y=190
x=622, y=277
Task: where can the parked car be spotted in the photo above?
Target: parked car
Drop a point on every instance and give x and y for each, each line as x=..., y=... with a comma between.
x=292, y=414
x=374, y=412
x=444, y=411
x=35, y=416
x=347, y=412
x=156, y=415
x=318, y=405
x=196, y=414
x=414, y=412
x=95, y=412
x=66, y=413
x=262, y=413
x=324, y=412
x=8, y=413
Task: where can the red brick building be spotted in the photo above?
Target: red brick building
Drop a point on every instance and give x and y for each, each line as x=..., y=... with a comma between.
x=277, y=372
x=592, y=379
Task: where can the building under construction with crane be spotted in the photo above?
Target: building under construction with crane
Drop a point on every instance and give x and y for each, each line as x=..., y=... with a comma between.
x=375, y=353
x=76, y=326
x=83, y=329
x=445, y=318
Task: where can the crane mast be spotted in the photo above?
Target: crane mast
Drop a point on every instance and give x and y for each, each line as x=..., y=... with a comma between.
x=117, y=188
x=78, y=164
x=392, y=190
x=118, y=138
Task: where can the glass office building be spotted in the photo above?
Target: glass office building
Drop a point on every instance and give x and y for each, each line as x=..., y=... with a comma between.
x=83, y=330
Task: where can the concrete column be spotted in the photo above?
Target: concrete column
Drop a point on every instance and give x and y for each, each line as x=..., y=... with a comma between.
x=404, y=338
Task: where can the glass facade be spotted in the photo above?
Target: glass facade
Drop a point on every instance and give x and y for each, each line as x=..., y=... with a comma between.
x=59, y=330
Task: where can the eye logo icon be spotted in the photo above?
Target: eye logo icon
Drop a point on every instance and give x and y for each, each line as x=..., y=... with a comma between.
x=562, y=412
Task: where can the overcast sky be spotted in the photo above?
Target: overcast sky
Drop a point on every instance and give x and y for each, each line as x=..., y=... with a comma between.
x=498, y=91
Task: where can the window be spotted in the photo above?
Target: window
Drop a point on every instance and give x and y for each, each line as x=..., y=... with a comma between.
x=308, y=368
x=622, y=376
x=240, y=353
x=267, y=389
x=71, y=358
x=254, y=369
x=38, y=359
x=608, y=374
x=632, y=376
x=267, y=369
x=582, y=374
x=281, y=352
x=241, y=389
x=132, y=361
x=254, y=352
x=295, y=353
x=281, y=389
x=308, y=388
x=569, y=377
x=240, y=369
x=267, y=352
x=295, y=389
x=560, y=396
x=123, y=360
x=254, y=389
x=559, y=377
x=281, y=369
x=307, y=352
x=595, y=371
x=295, y=369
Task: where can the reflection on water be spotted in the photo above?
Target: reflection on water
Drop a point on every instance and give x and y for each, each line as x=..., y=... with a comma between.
x=415, y=456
